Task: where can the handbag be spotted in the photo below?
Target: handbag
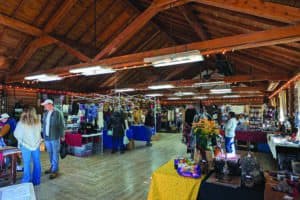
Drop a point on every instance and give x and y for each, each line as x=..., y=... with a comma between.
x=110, y=132
x=125, y=140
x=63, y=149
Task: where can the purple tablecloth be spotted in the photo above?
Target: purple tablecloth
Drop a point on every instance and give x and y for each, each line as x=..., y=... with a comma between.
x=251, y=136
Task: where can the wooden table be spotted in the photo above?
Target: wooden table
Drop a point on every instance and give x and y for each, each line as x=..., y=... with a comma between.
x=13, y=153
x=270, y=194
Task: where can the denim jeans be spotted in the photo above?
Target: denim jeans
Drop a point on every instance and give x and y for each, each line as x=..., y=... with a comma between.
x=148, y=134
x=117, y=143
x=229, y=145
x=53, y=147
x=27, y=156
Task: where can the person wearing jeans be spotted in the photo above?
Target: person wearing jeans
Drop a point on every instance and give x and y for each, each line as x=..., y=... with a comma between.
x=149, y=124
x=230, y=133
x=117, y=125
x=28, y=134
x=53, y=132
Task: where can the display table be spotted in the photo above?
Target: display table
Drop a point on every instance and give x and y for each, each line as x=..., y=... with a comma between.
x=269, y=193
x=135, y=132
x=18, y=192
x=166, y=184
x=77, y=140
x=210, y=190
x=249, y=136
x=11, y=152
x=277, y=141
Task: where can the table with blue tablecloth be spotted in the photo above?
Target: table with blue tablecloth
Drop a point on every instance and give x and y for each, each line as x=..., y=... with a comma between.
x=135, y=132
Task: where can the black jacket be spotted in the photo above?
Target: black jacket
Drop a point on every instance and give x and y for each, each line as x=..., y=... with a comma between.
x=149, y=120
x=117, y=124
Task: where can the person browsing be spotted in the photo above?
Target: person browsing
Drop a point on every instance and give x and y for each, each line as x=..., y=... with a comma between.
x=53, y=132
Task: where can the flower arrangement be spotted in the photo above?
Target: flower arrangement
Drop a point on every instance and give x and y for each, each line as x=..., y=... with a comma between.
x=206, y=132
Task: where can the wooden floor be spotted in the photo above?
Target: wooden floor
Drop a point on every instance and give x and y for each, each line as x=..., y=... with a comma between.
x=115, y=176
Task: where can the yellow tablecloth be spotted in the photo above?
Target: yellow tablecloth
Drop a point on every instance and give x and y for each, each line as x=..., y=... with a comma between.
x=166, y=184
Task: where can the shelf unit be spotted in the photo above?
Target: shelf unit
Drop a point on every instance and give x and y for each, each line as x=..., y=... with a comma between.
x=255, y=117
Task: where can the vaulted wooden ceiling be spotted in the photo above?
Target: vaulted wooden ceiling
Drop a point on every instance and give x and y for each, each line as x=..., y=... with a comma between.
x=46, y=35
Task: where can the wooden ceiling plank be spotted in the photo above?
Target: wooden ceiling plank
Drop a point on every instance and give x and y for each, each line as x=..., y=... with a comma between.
x=192, y=19
x=256, y=77
x=236, y=42
x=127, y=33
x=258, y=8
x=59, y=15
x=20, y=26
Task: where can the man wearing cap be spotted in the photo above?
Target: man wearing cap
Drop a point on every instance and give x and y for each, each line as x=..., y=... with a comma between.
x=7, y=131
x=53, y=131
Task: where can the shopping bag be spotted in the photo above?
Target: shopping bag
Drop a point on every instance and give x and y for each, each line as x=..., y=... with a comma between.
x=125, y=140
x=110, y=132
x=63, y=149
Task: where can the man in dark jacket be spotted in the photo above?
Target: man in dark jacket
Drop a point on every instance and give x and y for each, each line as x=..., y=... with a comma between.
x=53, y=131
x=117, y=124
x=149, y=124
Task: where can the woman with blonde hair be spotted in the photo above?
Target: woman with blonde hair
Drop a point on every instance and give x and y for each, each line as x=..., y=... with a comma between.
x=28, y=134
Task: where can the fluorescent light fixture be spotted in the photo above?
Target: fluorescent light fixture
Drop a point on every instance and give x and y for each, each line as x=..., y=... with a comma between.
x=158, y=87
x=124, y=90
x=231, y=96
x=50, y=78
x=98, y=72
x=175, y=59
x=213, y=83
x=184, y=93
x=85, y=69
x=174, y=98
x=154, y=95
x=43, y=77
x=93, y=70
x=200, y=97
x=35, y=77
x=220, y=91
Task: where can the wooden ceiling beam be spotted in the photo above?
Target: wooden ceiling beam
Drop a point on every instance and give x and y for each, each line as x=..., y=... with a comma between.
x=256, y=77
x=59, y=15
x=127, y=33
x=20, y=26
x=259, y=8
x=30, y=50
x=192, y=19
x=136, y=25
x=243, y=41
x=43, y=39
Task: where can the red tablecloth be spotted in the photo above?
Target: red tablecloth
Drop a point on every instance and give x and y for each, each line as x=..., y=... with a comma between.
x=251, y=136
x=73, y=139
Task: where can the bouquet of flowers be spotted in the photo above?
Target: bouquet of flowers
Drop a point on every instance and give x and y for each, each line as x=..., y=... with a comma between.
x=206, y=132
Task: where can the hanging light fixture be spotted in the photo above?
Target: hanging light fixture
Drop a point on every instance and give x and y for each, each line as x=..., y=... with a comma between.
x=43, y=77
x=93, y=70
x=175, y=59
x=158, y=87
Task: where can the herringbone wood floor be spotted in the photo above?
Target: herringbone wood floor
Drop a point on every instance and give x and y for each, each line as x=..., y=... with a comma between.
x=114, y=176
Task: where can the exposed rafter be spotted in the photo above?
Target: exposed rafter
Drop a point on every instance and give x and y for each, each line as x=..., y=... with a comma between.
x=192, y=19
x=257, y=8
x=244, y=41
x=254, y=78
x=42, y=34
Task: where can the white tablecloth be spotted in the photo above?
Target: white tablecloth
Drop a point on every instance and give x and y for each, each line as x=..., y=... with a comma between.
x=22, y=191
x=274, y=141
